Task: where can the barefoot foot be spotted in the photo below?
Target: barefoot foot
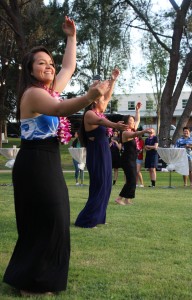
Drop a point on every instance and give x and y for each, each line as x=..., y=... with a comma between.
x=31, y=294
x=128, y=202
x=119, y=201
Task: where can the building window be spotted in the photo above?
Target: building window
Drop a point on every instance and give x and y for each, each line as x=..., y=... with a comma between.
x=149, y=104
x=184, y=102
x=131, y=105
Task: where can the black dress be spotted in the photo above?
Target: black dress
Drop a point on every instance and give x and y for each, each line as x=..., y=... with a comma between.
x=128, y=163
x=40, y=259
x=99, y=166
x=115, y=155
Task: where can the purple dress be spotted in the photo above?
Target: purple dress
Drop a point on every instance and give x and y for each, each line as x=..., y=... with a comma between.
x=99, y=166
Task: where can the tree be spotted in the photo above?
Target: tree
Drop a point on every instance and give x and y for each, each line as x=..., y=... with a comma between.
x=7, y=46
x=183, y=119
x=173, y=86
x=154, y=70
x=24, y=25
x=12, y=34
x=101, y=45
x=180, y=52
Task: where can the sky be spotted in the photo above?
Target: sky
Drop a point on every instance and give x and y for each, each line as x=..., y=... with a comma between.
x=141, y=86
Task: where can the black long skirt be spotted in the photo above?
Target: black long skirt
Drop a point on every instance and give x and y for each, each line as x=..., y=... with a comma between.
x=40, y=260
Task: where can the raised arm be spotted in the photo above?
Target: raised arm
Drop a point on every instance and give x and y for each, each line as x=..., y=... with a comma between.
x=128, y=135
x=137, y=115
x=38, y=101
x=69, y=57
x=93, y=121
x=114, y=75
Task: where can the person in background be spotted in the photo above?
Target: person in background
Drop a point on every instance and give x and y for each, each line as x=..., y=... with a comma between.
x=129, y=156
x=40, y=260
x=151, y=158
x=186, y=142
x=95, y=132
x=77, y=144
x=115, y=147
x=139, y=162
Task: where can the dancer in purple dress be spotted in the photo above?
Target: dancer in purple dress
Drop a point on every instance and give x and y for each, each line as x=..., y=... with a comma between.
x=95, y=138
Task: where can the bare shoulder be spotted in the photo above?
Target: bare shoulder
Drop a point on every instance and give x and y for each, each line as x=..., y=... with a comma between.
x=89, y=114
x=90, y=120
x=33, y=92
x=35, y=101
x=125, y=133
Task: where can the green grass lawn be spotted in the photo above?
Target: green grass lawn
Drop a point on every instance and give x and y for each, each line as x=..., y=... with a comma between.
x=143, y=253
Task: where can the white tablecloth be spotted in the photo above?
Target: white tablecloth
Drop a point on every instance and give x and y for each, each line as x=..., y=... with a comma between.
x=79, y=154
x=176, y=159
x=9, y=153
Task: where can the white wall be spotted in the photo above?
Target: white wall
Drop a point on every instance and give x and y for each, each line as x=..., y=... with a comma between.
x=123, y=103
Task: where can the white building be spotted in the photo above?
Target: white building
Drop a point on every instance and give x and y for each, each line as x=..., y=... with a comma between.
x=127, y=103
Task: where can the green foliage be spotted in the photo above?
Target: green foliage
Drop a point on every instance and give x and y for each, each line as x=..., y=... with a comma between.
x=156, y=64
x=34, y=29
x=101, y=44
x=103, y=33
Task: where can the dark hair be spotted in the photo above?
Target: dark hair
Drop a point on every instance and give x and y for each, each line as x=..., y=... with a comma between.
x=26, y=79
x=82, y=133
x=186, y=128
x=126, y=118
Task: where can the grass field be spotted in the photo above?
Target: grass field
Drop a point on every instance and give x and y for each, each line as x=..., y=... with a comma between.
x=143, y=253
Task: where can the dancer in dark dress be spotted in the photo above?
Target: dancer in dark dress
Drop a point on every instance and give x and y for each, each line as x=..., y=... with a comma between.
x=94, y=136
x=128, y=162
x=129, y=156
x=40, y=261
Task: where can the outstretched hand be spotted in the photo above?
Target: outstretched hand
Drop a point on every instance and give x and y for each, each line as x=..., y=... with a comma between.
x=138, y=106
x=121, y=126
x=148, y=130
x=115, y=74
x=97, y=90
x=69, y=27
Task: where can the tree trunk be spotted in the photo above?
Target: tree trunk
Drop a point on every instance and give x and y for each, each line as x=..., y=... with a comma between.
x=165, y=118
x=168, y=103
x=158, y=118
x=0, y=134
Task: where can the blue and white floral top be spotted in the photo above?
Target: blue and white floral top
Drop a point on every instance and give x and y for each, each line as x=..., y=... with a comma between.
x=182, y=142
x=40, y=127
